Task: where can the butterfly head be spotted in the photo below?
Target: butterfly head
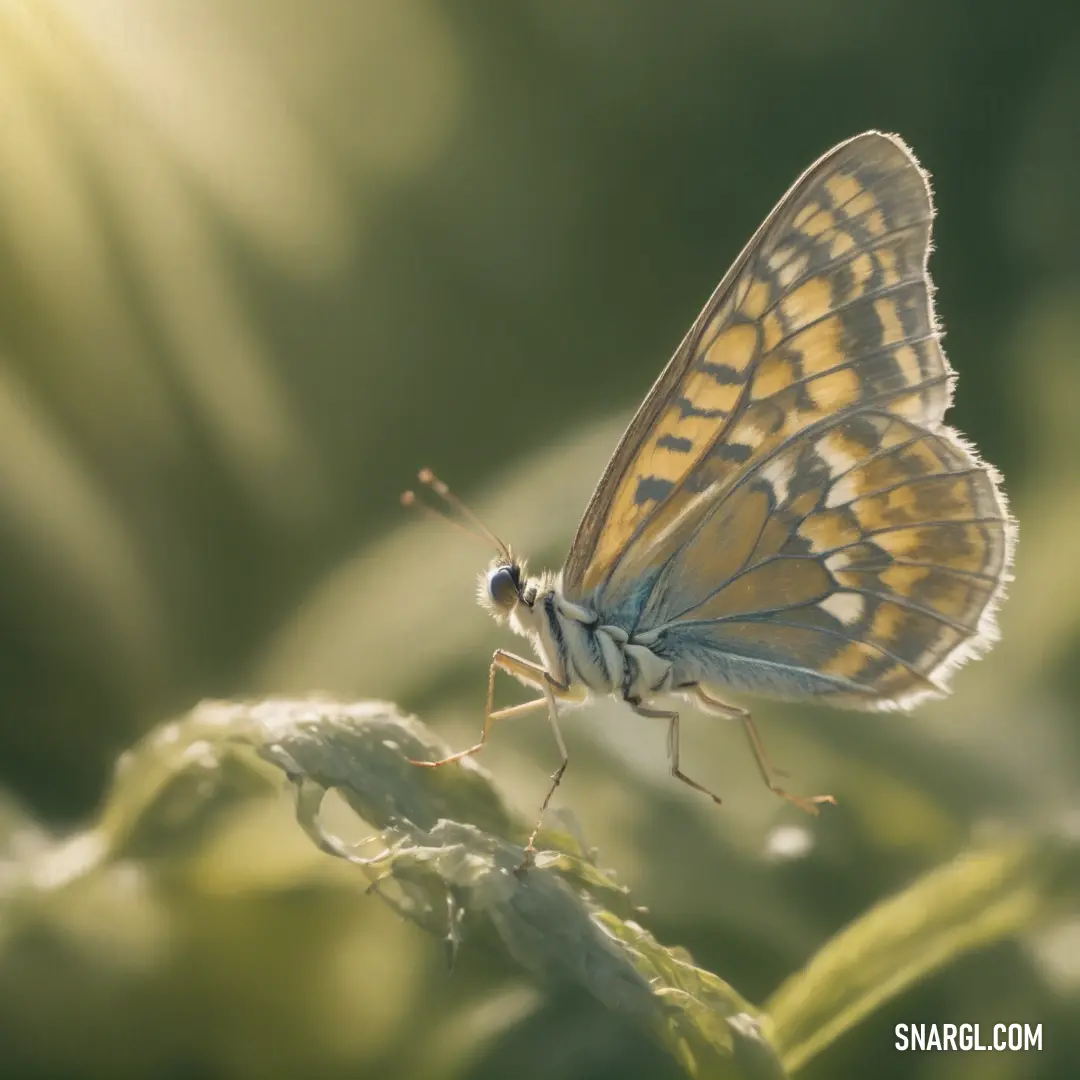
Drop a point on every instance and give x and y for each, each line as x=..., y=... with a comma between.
x=504, y=590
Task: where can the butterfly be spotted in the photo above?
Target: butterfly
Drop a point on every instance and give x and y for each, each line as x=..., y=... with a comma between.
x=787, y=514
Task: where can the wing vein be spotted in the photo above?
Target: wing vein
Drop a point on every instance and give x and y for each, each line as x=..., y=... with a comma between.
x=845, y=259
x=748, y=475
x=847, y=305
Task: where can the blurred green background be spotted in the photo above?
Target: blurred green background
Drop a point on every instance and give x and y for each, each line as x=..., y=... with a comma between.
x=260, y=260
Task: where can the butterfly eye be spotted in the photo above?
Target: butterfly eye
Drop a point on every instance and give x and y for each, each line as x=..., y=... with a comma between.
x=504, y=584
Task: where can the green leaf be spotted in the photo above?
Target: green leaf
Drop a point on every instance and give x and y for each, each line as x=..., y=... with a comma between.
x=449, y=855
x=562, y=918
x=982, y=896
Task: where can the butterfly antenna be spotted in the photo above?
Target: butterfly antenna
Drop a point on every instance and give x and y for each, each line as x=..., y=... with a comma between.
x=478, y=530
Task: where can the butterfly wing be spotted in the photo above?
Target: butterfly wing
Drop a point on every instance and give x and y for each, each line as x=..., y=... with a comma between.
x=786, y=505
x=863, y=561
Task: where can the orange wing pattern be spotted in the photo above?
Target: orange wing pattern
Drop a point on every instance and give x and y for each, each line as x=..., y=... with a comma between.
x=789, y=479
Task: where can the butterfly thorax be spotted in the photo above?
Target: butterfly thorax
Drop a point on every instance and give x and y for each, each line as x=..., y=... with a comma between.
x=577, y=649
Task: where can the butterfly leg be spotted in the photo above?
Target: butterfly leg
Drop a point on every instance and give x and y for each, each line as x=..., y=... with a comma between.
x=527, y=673
x=673, y=747
x=536, y=676
x=766, y=767
x=552, y=688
